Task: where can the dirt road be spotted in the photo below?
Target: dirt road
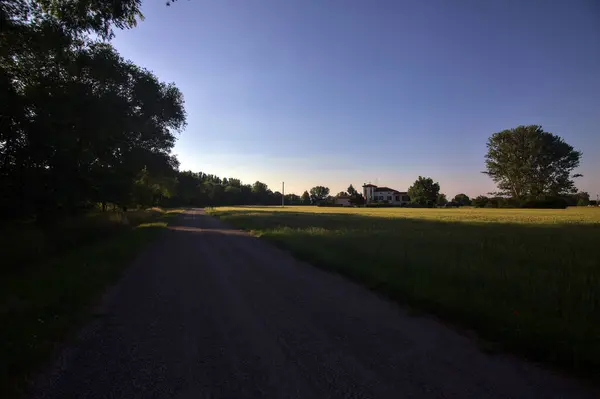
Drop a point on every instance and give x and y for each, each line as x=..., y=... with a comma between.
x=210, y=312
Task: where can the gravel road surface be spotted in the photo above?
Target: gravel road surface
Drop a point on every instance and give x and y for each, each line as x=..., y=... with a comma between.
x=210, y=312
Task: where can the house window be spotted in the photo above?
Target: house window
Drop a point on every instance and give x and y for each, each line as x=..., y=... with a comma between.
x=389, y=198
x=397, y=198
x=405, y=198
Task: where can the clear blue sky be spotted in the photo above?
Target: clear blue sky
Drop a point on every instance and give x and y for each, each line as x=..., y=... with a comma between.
x=326, y=92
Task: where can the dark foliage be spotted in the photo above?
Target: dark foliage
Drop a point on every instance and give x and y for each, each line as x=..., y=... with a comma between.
x=424, y=192
x=528, y=163
x=79, y=124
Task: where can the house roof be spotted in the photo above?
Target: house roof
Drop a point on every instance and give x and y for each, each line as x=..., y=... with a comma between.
x=369, y=185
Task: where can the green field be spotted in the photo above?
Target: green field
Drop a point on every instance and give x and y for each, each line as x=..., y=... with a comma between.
x=528, y=280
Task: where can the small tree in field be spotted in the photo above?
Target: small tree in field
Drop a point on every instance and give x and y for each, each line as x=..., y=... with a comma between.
x=318, y=194
x=424, y=191
x=462, y=199
x=351, y=190
x=481, y=201
x=305, y=198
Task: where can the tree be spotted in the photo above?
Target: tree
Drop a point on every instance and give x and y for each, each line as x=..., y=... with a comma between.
x=259, y=187
x=351, y=190
x=528, y=163
x=357, y=199
x=82, y=125
x=275, y=198
x=293, y=199
x=583, y=202
x=233, y=195
x=260, y=192
x=441, y=200
x=583, y=198
x=305, y=198
x=424, y=191
x=462, y=200
x=481, y=201
x=95, y=16
x=318, y=194
x=342, y=194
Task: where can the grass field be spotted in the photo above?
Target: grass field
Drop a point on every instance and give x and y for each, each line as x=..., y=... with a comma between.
x=49, y=279
x=528, y=280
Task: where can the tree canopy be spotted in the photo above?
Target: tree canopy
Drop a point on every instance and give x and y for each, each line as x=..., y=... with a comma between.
x=462, y=200
x=424, y=191
x=351, y=190
x=81, y=124
x=441, y=199
x=318, y=193
x=528, y=163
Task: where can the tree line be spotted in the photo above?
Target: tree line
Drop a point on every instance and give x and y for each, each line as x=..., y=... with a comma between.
x=79, y=125
x=201, y=189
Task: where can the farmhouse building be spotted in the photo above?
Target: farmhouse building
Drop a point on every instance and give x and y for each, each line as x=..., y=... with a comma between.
x=384, y=195
x=343, y=200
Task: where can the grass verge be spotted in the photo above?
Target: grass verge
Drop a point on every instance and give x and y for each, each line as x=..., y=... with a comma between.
x=528, y=280
x=42, y=301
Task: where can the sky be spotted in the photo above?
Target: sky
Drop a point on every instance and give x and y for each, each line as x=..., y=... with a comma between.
x=339, y=92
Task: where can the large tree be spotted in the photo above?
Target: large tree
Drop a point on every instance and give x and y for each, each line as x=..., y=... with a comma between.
x=527, y=162
x=424, y=191
x=82, y=124
x=319, y=193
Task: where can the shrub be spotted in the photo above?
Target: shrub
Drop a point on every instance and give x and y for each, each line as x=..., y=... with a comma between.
x=481, y=201
x=583, y=202
x=548, y=203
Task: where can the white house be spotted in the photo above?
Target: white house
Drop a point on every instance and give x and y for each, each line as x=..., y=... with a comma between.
x=343, y=200
x=384, y=195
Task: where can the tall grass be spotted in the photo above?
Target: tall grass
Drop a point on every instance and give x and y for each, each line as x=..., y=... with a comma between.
x=528, y=279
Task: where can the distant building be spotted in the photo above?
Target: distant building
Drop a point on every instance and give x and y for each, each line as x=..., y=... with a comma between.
x=384, y=195
x=343, y=200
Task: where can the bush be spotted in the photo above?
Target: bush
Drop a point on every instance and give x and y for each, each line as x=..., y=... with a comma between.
x=381, y=205
x=501, y=202
x=583, y=202
x=481, y=201
x=547, y=203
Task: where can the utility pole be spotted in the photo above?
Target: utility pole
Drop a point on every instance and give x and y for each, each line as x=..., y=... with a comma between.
x=282, y=194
